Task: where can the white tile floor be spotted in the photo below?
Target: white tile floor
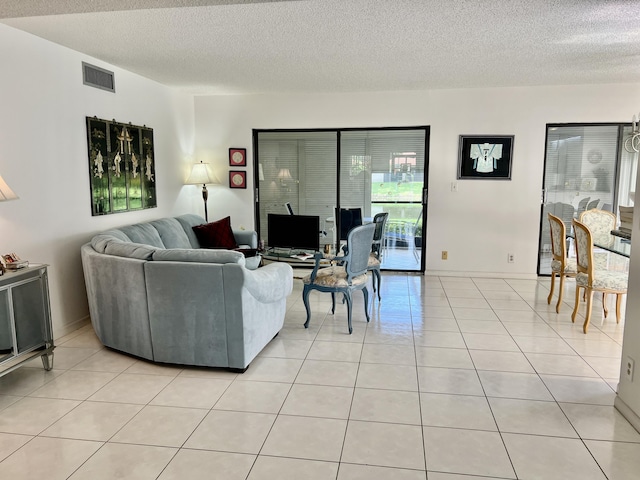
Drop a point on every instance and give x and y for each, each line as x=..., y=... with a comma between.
x=453, y=379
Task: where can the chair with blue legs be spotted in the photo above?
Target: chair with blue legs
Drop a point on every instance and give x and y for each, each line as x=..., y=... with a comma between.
x=349, y=276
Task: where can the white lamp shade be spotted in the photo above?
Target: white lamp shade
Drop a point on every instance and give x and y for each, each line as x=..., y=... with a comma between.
x=284, y=174
x=5, y=192
x=200, y=175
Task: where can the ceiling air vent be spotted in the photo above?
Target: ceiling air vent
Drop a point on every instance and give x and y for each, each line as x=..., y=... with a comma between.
x=98, y=77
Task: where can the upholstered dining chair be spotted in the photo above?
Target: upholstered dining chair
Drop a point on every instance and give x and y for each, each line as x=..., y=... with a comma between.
x=561, y=265
x=377, y=246
x=592, y=279
x=350, y=275
x=600, y=224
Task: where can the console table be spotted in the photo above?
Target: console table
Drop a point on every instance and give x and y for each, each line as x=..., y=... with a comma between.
x=25, y=318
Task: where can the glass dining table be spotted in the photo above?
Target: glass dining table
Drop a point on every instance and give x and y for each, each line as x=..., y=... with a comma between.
x=611, y=243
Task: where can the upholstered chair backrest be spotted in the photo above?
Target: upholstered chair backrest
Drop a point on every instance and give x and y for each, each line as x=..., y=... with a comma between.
x=584, y=248
x=558, y=237
x=600, y=224
x=359, y=245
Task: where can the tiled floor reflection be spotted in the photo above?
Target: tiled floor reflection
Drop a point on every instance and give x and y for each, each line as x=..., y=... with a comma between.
x=453, y=379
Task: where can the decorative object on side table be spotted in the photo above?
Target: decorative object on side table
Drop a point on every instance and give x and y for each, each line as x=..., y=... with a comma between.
x=485, y=156
x=200, y=176
x=237, y=179
x=12, y=261
x=238, y=157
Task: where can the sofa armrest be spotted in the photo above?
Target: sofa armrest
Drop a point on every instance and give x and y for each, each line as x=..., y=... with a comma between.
x=270, y=283
x=246, y=237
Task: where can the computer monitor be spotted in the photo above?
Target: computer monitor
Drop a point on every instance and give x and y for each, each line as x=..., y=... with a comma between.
x=293, y=231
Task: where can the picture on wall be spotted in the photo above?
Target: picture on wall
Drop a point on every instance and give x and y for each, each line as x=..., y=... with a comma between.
x=238, y=157
x=485, y=156
x=121, y=166
x=237, y=179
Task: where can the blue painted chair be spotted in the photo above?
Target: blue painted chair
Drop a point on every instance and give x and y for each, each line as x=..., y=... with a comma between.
x=345, y=278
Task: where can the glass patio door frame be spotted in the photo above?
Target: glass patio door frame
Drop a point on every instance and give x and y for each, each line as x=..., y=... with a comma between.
x=339, y=131
x=621, y=127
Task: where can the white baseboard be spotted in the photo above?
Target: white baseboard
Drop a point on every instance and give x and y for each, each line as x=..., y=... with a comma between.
x=627, y=413
x=71, y=327
x=448, y=273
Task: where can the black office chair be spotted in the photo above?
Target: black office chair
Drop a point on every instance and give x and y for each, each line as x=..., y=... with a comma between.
x=349, y=218
x=375, y=258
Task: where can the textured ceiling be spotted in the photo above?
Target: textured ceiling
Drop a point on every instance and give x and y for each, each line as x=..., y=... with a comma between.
x=221, y=47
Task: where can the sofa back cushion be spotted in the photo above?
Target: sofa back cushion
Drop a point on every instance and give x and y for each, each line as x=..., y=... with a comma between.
x=188, y=221
x=199, y=256
x=144, y=233
x=130, y=250
x=100, y=241
x=171, y=233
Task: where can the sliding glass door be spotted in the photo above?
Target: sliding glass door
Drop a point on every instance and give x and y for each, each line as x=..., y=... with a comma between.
x=317, y=172
x=585, y=167
x=384, y=171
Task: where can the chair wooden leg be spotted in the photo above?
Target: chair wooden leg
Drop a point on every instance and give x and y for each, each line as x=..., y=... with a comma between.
x=604, y=304
x=333, y=303
x=587, y=316
x=575, y=308
x=618, y=302
x=305, y=299
x=553, y=283
x=560, y=293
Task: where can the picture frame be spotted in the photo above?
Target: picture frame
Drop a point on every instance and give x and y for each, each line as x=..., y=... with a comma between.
x=485, y=157
x=237, y=179
x=238, y=157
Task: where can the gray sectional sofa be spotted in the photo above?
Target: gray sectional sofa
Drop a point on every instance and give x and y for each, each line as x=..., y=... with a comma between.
x=154, y=293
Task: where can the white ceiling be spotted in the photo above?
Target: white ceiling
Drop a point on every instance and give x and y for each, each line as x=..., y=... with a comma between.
x=243, y=46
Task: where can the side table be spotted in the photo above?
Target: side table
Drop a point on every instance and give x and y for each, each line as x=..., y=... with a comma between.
x=25, y=318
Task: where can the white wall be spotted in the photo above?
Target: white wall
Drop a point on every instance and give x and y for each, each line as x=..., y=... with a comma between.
x=481, y=223
x=43, y=157
x=628, y=400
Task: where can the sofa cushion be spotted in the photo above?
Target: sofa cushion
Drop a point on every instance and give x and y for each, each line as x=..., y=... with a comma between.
x=216, y=234
x=198, y=256
x=130, y=250
x=189, y=220
x=100, y=241
x=144, y=233
x=171, y=233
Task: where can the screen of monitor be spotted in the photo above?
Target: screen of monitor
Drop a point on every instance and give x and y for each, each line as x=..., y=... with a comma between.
x=293, y=231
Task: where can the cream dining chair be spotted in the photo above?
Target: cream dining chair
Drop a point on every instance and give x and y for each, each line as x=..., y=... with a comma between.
x=561, y=265
x=593, y=279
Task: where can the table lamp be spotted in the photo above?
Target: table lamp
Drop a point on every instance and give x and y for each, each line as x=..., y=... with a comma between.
x=200, y=175
x=5, y=192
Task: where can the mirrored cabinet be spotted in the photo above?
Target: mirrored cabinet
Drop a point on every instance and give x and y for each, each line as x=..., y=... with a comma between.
x=25, y=318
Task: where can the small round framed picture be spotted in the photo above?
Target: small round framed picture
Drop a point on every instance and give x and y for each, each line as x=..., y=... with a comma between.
x=237, y=179
x=238, y=157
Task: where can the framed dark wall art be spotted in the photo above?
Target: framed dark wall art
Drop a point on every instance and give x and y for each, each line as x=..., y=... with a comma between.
x=238, y=157
x=121, y=166
x=485, y=156
x=237, y=179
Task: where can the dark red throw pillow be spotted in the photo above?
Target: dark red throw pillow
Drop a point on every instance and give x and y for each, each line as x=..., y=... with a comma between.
x=216, y=234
